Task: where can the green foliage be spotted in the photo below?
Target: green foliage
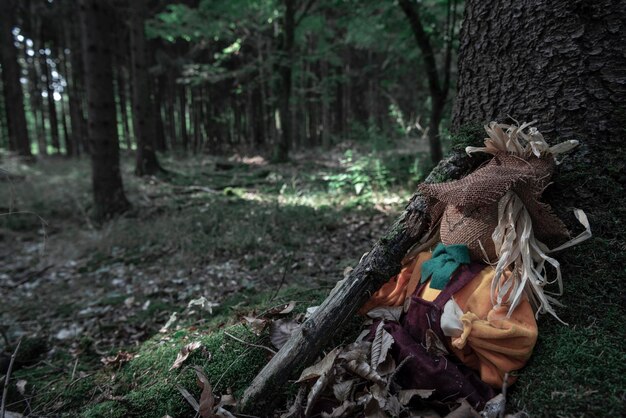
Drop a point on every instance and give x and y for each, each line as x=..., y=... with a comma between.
x=362, y=176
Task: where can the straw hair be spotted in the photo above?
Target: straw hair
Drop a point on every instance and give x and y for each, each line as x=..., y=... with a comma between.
x=502, y=199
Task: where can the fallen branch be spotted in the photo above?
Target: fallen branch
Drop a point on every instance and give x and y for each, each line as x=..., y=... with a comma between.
x=5, y=391
x=380, y=264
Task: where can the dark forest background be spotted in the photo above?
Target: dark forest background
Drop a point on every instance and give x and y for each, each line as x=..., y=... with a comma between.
x=213, y=77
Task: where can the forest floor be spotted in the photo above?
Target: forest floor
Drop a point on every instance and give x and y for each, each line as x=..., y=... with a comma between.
x=246, y=240
x=236, y=231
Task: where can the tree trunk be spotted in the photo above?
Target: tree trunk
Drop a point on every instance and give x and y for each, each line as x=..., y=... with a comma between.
x=76, y=89
x=438, y=91
x=36, y=104
x=13, y=94
x=71, y=144
x=47, y=76
x=573, y=87
x=182, y=106
x=109, y=197
x=157, y=105
x=143, y=124
x=123, y=100
x=281, y=152
x=563, y=64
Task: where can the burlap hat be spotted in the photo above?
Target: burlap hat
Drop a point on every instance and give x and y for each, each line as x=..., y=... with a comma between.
x=468, y=208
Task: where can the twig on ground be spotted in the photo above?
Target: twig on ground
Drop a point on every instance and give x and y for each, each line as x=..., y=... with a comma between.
x=74, y=369
x=250, y=344
x=27, y=277
x=282, y=279
x=5, y=391
x=229, y=367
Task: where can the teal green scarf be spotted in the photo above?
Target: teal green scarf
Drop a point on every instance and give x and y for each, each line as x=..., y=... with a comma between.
x=445, y=261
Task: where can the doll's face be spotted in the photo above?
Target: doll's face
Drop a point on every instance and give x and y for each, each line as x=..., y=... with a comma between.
x=472, y=228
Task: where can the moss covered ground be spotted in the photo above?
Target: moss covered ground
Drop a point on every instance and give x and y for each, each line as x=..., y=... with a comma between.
x=249, y=238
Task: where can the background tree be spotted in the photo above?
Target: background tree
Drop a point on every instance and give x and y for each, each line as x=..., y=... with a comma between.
x=108, y=191
x=438, y=85
x=13, y=94
x=143, y=117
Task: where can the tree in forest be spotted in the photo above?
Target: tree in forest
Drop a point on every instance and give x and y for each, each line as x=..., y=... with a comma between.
x=286, y=41
x=567, y=73
x=437, y=86
x=13, y=94
x=143, y=123
x=108, y=191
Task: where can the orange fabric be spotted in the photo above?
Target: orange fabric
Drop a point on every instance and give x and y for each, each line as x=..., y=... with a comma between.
x=490, y=343
x=399, y=287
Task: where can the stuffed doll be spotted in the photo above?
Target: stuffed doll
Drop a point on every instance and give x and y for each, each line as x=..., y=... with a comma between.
x=471, y=300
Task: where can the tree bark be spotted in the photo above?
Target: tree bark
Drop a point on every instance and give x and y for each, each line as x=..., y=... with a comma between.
x=281, y=152
x=13, y=94
x=109, y=197
x=571, y=79
x=143, y=124
x=381, y=263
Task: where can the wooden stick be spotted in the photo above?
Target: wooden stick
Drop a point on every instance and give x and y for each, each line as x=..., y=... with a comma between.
x=5, y=391
x=380, y=264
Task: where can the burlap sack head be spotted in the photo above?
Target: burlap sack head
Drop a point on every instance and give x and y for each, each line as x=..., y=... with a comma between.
x=468, y=208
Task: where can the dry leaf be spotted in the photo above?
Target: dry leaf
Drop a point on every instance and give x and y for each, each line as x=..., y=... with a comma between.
x=188, y=397
x=227, y=400
x=387, y=367
x=344, y=410
x=356, y=351
x=363, y=334
x=380, y=346
x=169, y=323
x=203, y=303
x=317, y=390
x=319, y=368
x=119, y=359
x=184, y=353
x=364, y=370
x=281, y=330
x=464, y=410
x=288, y=308
x=393, y=406
x=282, y=309
x=405, y=396
x=380, y=393
x=207, y=399
x=223, y=413
x=21, y=386
x=342, y=390
x=257, y=325
x=373, y=410
x=494, y=408
x=387, y=313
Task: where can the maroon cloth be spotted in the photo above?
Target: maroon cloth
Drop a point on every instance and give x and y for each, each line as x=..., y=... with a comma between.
x=446, y=374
